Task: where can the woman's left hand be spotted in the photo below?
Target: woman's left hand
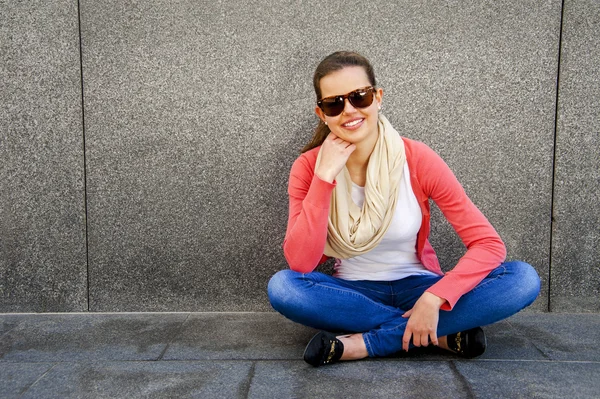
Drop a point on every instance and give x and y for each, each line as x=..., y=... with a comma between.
x=423, y=321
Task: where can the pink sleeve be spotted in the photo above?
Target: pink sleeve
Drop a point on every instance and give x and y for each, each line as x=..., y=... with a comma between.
x=485, y=249
x=308, y=217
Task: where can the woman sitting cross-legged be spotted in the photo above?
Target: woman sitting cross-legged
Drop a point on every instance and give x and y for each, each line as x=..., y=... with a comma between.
x=360, y=193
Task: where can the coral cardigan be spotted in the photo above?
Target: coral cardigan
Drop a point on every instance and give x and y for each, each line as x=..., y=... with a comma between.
x=430, y=177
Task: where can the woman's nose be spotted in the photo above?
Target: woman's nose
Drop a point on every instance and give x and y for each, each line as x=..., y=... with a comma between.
x=348, y=107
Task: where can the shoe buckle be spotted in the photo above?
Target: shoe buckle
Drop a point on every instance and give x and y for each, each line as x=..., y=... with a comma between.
x=457, y=341
x=331, y=353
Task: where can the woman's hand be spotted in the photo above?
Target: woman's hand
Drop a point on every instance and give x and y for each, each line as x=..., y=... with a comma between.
x=334, y=154
x=423, y=321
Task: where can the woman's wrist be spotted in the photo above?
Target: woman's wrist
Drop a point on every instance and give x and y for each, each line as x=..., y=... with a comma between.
x=433, y=299
x=325, y=176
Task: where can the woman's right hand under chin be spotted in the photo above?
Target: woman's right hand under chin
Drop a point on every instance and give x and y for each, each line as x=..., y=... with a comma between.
x=334, y=155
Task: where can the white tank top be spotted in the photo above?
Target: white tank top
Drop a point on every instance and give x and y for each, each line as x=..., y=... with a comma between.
x=395, y=257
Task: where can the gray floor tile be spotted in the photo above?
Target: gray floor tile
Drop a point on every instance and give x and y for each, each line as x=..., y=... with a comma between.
x=79, y=337
x=364, y=379
x=543, y=379
x=15, y=378
x=504, y=341
x=271, y=336
x=259, y=355
x=9, y=321
x=562, y=336
x=239, y=336
x=144, y=380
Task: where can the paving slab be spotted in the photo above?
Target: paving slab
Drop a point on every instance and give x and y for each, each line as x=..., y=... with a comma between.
x=505, y=341
x=8, y=322
x=239, y=336
x=365, y=379
x=259, y=355
x=572, y=337
x=541, y=379
x=15, y=378
x=144, y=380
x=271, y=336
x=77, y=337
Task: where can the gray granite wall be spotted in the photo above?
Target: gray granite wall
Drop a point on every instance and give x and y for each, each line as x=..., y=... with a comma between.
x=42, y=198
x=165, y=189
x=575, y=262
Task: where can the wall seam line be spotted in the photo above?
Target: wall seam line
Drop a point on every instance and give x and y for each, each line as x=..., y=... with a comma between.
x=85, y=196
x=552, y=199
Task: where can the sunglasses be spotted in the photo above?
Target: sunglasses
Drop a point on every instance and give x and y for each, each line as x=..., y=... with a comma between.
x=359, y=98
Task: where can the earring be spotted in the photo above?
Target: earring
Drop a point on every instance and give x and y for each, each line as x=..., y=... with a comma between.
x=325, y=122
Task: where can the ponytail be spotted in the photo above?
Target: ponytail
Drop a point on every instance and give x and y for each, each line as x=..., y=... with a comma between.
x=321, y=133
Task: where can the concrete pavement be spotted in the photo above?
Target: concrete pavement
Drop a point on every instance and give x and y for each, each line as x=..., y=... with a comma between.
x=259, y=355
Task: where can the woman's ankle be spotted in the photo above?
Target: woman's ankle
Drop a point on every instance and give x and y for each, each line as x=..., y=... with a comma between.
x=354, y=347
x=443, y=342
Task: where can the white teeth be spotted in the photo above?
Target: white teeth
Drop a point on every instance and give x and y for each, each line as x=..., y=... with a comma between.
x=353, y=123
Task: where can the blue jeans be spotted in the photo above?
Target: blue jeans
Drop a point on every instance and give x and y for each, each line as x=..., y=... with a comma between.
x=375, y=308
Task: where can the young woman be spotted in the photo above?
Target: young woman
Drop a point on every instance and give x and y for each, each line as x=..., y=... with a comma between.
x=360, y=193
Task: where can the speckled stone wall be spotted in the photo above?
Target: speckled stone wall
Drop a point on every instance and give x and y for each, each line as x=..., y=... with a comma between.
x=195, y=110
x=42, y=199
x=477, y=82
x=576, y=228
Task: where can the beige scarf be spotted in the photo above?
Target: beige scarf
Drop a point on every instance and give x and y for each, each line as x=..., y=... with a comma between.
x=353, y=231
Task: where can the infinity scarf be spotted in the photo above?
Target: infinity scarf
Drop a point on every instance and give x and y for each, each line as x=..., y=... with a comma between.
x=351, y=230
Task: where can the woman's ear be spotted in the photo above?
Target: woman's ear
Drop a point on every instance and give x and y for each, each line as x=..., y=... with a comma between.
x=379, y=97
x=320, y=114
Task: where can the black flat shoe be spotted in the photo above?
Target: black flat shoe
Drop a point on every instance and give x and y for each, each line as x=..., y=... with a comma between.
x=468, y=344
x=323, y=348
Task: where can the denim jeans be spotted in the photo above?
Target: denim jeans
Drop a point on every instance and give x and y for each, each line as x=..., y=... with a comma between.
x=375, y=308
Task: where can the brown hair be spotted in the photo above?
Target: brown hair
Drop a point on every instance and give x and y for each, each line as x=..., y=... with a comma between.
x=331, y=63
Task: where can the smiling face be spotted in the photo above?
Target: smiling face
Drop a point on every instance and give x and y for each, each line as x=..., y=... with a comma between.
x=355, y=125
